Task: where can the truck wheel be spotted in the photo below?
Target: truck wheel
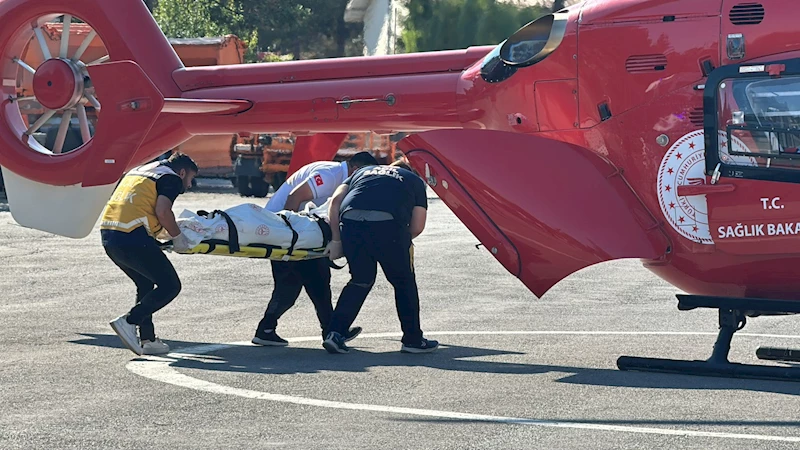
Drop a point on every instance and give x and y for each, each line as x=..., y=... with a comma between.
x=260, y=187
x=243, y=186
x=278, y=179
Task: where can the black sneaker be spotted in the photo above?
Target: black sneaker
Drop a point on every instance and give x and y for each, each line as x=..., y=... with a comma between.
x=355, y=331
x=334, y=343
x=425, y=346
x=270, y=338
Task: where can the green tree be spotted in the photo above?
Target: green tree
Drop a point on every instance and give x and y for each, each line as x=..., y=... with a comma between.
x=303, y=29
x=306, y=28
x=453, y=24
x=189, y=18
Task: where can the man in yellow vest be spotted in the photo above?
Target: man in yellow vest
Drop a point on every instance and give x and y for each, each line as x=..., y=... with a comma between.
x=139, y=211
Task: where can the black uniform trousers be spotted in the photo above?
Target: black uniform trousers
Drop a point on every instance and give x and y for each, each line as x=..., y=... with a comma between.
x=157, y=283
x=290, y=278
x=366, y=244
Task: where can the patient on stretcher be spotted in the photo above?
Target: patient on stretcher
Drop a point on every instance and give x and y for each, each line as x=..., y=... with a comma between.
x=306, y=231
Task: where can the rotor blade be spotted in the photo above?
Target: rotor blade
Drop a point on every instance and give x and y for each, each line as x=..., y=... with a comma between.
x=42, y=43
x=98, y=61
x=61, y=137
x=38, y=124
x=84, y=121
x=84, y=45
x=93, y=100
x=24, y=66
x=65, y=36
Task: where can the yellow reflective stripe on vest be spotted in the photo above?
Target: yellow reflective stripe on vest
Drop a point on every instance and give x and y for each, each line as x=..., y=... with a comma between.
x=132, y=225
x=133, y=203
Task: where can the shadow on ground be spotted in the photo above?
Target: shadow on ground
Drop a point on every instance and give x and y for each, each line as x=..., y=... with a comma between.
x=366, y=354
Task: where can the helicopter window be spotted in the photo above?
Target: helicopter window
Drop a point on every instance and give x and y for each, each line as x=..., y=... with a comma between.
x=522, y=51
x=526, y=47
x=759, y=122
x=493, y=69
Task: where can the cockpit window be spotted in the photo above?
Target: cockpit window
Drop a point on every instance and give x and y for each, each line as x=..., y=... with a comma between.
x=775, y=102
x=761, y=118
x=525, y=50
x=529, y=45
x=751, y=121
x=493, y=69
x=524, y=45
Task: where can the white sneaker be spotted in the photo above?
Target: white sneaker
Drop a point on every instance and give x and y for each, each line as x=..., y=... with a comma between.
x=156, y=347
x=127, y=332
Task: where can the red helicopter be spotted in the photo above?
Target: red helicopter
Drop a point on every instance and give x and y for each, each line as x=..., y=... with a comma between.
x=661, y=130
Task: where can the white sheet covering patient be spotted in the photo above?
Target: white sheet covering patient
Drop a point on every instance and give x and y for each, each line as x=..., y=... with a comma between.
x=256, y=225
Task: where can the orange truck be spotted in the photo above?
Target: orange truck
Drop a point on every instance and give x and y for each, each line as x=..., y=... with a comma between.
x=209, y=151
x=253, y=163
x=261, y=161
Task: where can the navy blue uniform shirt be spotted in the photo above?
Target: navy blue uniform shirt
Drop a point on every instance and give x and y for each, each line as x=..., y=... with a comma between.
x=385, y=188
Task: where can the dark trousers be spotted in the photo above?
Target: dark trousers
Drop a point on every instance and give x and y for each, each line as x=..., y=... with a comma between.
x=290, y=278
x=365, y=245
x=157, y=283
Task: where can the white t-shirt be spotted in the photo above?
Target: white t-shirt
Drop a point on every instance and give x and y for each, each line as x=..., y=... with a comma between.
x=323, y=177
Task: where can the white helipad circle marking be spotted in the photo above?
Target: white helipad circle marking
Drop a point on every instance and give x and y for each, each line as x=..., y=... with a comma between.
x=160, y=369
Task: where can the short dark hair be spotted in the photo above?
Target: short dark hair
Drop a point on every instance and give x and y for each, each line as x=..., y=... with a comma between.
x=403, y=164
x=362, y=159
x=178, y=161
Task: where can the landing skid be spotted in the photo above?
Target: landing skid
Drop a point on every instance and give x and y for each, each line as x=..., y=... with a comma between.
x=732, y=318
x=778, y=354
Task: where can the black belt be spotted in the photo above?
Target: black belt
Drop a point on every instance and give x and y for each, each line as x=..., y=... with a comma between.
x=233, y=233
x=327, y=235
x=294, y=234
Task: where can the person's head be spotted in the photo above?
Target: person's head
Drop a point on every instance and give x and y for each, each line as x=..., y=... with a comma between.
x=403, y=164
x=184, y=166
x=359, y=160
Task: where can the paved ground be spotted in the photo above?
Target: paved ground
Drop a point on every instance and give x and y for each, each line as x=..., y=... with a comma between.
x=513, y=372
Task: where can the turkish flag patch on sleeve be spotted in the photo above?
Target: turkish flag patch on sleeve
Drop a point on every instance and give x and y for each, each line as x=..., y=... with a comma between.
x=318, y=180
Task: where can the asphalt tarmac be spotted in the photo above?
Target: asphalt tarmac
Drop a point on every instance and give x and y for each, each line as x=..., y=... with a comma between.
x=513, y=371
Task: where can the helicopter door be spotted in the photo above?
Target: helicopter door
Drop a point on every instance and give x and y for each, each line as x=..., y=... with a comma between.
x=752, y=141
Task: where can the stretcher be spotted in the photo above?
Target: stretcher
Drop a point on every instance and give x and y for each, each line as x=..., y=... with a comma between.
x=223, y=248
x=250, y=231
